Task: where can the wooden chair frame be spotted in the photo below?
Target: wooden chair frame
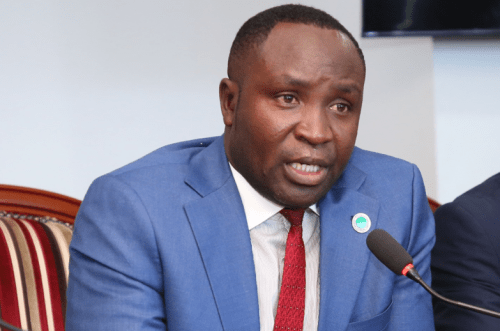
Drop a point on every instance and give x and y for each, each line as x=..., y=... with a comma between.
x=30, y=201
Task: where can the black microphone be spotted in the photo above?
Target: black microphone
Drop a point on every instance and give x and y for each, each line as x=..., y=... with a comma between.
x=397, y=259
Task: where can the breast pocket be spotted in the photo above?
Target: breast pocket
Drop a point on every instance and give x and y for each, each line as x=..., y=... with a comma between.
x=377, y=323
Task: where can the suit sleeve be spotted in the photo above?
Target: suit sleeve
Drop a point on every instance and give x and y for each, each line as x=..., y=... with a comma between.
x=465, y=267
x=412, y=305
x=115, y=280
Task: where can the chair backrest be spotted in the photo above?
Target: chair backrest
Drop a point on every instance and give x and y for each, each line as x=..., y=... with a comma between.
x=35, y=231
x=30, y=201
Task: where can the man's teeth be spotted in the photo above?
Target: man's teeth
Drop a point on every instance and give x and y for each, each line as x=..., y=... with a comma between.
x=305, y=167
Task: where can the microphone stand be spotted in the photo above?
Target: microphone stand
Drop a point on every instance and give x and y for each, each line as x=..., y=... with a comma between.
x=413, y=275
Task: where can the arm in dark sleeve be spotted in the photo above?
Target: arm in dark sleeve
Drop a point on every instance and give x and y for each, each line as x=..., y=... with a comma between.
x=465, y=263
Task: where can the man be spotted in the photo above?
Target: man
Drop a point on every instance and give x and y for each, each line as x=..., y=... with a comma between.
x=465, y=260
x=195, y=235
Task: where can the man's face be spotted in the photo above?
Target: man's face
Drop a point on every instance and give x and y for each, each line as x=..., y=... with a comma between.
x=292, y=114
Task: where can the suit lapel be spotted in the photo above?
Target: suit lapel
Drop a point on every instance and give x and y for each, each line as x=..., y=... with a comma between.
x=344, y=254
x=219, y=225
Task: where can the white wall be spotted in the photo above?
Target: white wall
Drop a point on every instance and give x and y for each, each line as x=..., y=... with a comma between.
x=467, y=92
x=88, y=86
x=398, y=111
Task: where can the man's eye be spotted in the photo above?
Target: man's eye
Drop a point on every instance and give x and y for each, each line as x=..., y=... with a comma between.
x=287, y=98
x=340, y=107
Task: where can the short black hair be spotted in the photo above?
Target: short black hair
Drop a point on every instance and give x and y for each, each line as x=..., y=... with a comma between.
x=256, y=29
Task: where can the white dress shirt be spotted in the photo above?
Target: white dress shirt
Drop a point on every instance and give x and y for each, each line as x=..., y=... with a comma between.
x=268, y=234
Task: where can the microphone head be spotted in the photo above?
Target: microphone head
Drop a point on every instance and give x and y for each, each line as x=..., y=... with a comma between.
x=388, y=251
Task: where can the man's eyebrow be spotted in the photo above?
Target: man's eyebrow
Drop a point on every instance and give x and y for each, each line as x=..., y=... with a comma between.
x=289, y=80
x=349, y=88
x=344, y=87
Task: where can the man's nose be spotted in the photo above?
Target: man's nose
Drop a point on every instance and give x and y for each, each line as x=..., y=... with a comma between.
x=314, y=127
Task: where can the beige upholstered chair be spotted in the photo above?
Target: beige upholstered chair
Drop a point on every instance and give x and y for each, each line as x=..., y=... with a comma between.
x=35, y=231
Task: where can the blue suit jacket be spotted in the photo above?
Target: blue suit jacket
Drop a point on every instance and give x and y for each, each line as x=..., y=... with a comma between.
x=466, y=259
x=164, y=243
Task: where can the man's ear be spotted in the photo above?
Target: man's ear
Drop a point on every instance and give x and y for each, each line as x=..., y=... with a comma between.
x=228, y=96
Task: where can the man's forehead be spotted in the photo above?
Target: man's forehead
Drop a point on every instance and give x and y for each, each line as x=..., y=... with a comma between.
x=346, y=41
x=290, y=39
x=295, y=43
x=294, y=30
x=306, y=47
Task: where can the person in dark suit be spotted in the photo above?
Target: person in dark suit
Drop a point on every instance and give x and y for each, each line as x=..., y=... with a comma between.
x=466, y=259
x=194, y=235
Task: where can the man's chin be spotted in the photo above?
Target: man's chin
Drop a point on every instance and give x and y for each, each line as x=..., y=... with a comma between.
x=300, y=198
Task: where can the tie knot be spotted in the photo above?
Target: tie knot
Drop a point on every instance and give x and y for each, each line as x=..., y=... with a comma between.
x=293, y=216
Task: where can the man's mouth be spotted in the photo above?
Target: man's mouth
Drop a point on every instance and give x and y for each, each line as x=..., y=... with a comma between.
x=306, y=174
x=309, y=168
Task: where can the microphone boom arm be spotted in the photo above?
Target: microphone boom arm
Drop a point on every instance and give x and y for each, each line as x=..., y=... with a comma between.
x=396, y=258
x=413, y=275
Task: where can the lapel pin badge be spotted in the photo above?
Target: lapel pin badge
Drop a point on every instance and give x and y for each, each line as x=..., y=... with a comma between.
x=361, y=223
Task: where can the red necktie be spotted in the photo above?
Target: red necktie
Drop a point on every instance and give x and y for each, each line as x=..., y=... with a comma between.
x=290, y=315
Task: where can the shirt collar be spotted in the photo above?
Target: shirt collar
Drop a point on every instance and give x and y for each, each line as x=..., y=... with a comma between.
x=257, y=208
